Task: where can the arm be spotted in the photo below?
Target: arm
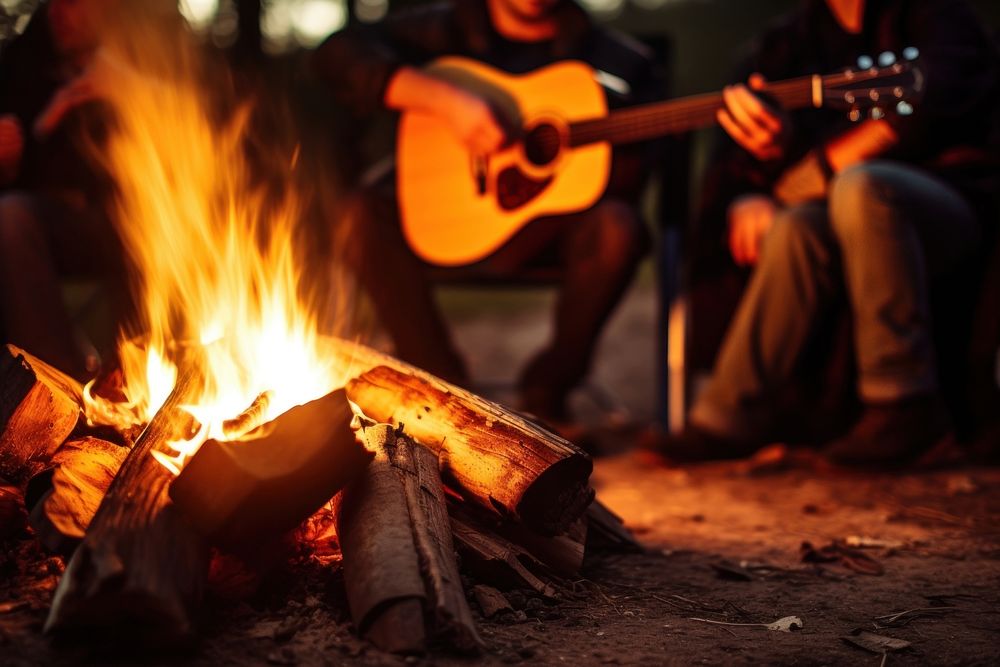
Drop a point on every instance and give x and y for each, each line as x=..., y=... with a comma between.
x=372, y=68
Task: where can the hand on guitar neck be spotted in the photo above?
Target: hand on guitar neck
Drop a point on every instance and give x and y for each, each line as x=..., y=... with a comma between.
x=475, y=122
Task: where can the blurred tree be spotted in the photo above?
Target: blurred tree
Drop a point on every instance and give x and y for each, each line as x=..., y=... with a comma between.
x=249, y=45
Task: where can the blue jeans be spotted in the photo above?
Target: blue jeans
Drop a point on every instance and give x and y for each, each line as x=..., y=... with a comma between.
x=885, y=231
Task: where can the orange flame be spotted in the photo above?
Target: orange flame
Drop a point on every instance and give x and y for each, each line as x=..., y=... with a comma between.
x=215, y=255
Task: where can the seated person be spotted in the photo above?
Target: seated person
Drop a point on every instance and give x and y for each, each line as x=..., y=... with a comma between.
x=598, y=249
x=52, y=222
x=872, y=213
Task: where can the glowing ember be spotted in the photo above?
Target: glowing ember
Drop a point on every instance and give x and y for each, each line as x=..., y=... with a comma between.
x=215, y=258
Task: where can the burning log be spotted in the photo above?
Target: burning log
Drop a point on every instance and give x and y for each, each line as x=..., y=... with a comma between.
x=398, y=555
x=71, y=491
x=140, y=570
x=495, y=458
x=237, y=493
x=39, y=406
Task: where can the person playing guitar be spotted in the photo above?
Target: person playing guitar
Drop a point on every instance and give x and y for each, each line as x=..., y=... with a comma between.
x=873, y=213
x=598, y=248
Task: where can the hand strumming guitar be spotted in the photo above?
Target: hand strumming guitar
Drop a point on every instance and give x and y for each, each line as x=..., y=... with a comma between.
x=475, y=122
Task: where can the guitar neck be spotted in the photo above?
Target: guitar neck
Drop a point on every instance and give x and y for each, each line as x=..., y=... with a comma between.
x=650, y=121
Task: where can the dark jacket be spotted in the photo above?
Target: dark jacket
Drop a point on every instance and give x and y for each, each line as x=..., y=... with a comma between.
x=359, y=62
x=952, y=132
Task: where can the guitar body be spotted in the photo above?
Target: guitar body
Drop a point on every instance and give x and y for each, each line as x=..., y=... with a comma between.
x=456, y=209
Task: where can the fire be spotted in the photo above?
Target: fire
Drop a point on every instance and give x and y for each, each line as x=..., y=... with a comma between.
x=214, y=252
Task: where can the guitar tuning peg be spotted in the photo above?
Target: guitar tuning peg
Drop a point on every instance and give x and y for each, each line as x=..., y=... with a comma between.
x=877, y=114
x=854, y=115
x=911, y=53
x=865, y=62
x=886, y=58
x=904, y=108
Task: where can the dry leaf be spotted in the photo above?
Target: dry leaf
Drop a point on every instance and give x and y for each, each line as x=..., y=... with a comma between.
x=870, y=641
x=786, y=624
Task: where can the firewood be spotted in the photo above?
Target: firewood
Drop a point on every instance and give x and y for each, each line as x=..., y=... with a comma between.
x=140, y=571
x=12, y=515
x=80, y=474
x=399, y=560
x=490, y=600
x=563, y=554
x=498, y=560
x=381, y=565
x=239, y=494
x=39, y=406
x=432, y=537
x=493, y=457
x=608, y=531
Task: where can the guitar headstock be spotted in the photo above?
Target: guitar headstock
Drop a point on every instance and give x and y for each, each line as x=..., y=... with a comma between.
x=876, y=87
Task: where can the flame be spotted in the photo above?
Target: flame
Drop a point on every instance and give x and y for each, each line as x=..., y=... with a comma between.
x=214, y=251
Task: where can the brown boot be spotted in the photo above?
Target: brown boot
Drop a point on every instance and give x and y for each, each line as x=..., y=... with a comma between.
x=892, y=434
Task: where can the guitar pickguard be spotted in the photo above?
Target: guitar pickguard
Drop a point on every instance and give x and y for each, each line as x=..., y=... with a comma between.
x=516, y=189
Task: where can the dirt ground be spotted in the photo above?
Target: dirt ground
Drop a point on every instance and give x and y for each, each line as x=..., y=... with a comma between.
x=724, y=543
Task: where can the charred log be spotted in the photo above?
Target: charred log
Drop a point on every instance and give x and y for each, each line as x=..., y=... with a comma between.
x=241, y=493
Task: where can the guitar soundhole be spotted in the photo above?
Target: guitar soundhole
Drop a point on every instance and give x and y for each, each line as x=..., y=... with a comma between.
x=541, y=145
x=514, y=189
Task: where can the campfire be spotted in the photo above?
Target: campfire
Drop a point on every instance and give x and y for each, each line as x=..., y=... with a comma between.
x=235, y=416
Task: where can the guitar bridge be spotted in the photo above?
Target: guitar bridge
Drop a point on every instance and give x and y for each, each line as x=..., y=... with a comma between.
x=515, y=189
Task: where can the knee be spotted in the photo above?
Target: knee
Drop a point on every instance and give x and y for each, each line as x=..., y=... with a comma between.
x=797, y=232
x=862, y=199
x=614, y=232
x=20, y=227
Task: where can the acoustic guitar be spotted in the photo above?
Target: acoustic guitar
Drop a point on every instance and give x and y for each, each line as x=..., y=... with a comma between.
x=458, y=208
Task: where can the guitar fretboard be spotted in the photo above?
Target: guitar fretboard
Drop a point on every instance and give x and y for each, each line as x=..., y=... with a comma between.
x=649, y=121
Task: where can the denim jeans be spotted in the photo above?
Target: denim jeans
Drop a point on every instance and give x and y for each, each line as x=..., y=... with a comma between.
x=884, y=232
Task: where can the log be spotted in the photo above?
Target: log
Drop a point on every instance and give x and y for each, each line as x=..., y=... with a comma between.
x=608, y=531
x=491, y=601
x=402, y=579
x=452, y=619
x=140, y=571
x=385, y=591
x=70, y=491
x=239, y=494
x=493, y=457
x=498, y=560
x=39, y=407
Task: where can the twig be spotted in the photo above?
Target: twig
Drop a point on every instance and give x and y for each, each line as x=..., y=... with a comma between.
x=885, y=659
x=748, y=625
x=892, y=618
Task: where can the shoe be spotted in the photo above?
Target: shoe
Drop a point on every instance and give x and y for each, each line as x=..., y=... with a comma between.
x=892, y=434
x=694, y=444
